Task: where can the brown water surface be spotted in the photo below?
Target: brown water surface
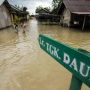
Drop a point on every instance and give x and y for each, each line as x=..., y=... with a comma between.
x=24, y=66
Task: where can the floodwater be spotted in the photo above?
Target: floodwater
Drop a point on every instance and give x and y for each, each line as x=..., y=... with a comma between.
x=24, y=66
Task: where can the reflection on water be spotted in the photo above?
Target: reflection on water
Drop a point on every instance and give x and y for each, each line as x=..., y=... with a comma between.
x=24, y=66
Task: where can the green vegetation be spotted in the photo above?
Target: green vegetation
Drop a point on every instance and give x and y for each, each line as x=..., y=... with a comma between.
x=56, y=4
x=16, y=19
x=24, y=9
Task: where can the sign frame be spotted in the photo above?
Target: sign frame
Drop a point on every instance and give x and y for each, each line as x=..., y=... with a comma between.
x=77, y=62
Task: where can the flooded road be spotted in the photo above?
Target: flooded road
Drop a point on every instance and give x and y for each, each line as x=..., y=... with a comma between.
x=24, y=66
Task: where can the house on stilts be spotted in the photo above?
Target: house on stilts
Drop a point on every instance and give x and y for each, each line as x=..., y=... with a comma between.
x=74, y=13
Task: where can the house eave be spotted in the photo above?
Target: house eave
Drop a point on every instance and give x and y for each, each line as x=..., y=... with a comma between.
x=81, y=13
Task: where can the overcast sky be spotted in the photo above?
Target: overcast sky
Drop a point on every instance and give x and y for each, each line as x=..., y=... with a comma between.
x=32, y=4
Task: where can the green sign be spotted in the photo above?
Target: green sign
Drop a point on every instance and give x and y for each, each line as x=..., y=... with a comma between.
x=77, y=62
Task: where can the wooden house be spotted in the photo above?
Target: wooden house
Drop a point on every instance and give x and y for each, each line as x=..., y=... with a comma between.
x=74, y=12
x=5, y=19
x=16, y=12
x=9, y=14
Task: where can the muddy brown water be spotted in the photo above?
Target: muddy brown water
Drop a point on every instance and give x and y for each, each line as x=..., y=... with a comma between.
x=24, y=66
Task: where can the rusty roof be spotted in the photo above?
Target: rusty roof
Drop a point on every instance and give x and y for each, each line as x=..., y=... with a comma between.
x=78, y=6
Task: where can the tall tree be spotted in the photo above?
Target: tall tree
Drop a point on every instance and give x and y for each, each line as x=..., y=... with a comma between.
x=55, y=3
x=24, y=9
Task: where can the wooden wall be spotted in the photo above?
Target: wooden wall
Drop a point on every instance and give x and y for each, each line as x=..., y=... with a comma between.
x=5, y=19
x=65, y=18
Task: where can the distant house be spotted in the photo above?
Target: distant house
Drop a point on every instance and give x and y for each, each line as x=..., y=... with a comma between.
x=42, y=11
x=45, y=15
x=74, y=12
x=5, y=19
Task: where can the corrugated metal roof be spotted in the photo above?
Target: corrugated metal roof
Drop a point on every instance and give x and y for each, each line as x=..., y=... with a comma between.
x=1, y=1
x=78, y=6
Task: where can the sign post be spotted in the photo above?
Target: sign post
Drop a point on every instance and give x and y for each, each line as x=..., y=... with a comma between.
x=75, y=83
x=74, y=60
